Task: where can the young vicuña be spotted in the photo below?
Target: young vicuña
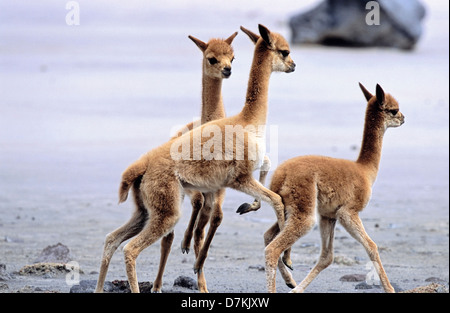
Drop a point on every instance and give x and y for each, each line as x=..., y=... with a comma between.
x=335, y=189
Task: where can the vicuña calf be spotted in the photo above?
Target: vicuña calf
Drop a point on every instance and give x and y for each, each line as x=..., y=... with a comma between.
x=335, y=189
x=158, y=193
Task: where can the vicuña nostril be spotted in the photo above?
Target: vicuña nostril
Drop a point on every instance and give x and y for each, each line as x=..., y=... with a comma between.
x=226, y=71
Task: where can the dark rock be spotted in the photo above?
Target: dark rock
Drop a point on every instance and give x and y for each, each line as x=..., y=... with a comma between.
x=260, y=268
x=185, y=282
x=353, y=277
x=343, y=23
x=364, y=285
x=116, y=286
x=58, y=253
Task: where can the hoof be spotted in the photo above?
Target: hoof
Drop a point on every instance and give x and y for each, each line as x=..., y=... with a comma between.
x=290, y=285
x=244, y=208
x=288, y=264
x=185, y=250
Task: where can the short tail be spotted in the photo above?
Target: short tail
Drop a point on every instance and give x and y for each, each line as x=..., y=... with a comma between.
x=133, y=172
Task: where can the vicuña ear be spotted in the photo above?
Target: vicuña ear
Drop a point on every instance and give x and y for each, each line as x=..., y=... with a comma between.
x=380, y=95
x=199, y=43
x=253, y=37
x=229, y=40
x=366, y=93
x=265, y=34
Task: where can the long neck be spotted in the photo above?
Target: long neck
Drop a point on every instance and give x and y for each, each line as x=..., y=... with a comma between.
x=370, y=154
x=255, y=108
x=212, y=103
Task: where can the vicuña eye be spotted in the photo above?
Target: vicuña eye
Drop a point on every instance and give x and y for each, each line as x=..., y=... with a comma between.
x=284, y=53
x=393, y=112
x=212, y=61
x=232, y=60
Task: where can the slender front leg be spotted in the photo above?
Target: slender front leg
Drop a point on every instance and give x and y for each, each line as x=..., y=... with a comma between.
x=197, y=201
x=352, y=223
x=215, y=201
x=326, y=226
x=256, y=205
x=254, y=188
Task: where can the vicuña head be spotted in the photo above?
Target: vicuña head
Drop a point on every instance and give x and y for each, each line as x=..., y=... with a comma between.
x=276, y=44
x=386, y=105
x=218, y=56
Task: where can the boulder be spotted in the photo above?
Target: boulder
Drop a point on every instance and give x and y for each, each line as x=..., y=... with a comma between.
x=383, y=23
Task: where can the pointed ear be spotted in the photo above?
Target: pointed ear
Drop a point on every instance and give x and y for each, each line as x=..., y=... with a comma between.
x=253, y=37
x=380, y=95
x=366, y=93
x=199, y=43
x=229, y=40
x=265, y=34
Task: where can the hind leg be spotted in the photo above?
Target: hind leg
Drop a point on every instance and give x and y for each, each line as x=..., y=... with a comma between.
x=156, y=227
x=269, y=235
x=163, y=203
x=113, y=241
x=166, y=244
x=126, y=231
x=297, y=225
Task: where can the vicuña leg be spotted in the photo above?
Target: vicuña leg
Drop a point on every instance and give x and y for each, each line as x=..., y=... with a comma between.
x=166, y=244
x=327, y=226
x=213, y=201
x=197, y=201
x=297, y=225
x=269, y=235
x=254, y=188
x=352, y=223
x=157, y=226
x=126, y=231
x=256, y=205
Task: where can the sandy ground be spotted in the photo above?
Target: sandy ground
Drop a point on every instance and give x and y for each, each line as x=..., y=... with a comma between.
x=79, y=103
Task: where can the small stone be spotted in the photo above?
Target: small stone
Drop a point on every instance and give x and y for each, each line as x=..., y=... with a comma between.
x=353, y=278
x=434, y=280
x=364, y=285
x=257, y=267
x=185, y=282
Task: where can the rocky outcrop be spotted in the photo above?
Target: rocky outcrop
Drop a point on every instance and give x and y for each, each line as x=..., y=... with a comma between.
x=360, y=23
